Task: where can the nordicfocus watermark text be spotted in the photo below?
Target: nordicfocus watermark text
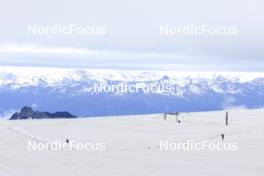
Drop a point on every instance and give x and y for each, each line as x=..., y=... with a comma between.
x=191, y=29
x=59, y=29
x=124, y=87
x=65, y=146
x=190, y=145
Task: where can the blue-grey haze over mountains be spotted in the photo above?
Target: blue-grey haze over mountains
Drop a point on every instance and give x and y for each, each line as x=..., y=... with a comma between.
x=53, y=89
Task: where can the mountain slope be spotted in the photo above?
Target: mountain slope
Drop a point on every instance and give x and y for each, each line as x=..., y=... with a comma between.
x=88, y=92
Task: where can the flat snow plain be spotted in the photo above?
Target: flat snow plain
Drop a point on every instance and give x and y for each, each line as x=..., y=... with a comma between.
x=133, y=145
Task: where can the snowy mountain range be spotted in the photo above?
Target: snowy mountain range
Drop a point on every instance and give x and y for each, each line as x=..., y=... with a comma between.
x=96, y=92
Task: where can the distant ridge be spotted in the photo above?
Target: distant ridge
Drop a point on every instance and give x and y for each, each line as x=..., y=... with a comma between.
x=175, y=91
x=29, y=113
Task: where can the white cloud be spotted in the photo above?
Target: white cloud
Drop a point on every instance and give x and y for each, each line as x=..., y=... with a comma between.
x=133, y=39
x=33, y=49
x=59, y=56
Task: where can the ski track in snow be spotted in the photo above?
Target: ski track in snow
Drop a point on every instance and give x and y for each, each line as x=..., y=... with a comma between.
x=133, y=145
x=26, y=134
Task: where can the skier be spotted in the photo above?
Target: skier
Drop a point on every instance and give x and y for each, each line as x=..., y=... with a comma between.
x=223, y=136
x=67, y=140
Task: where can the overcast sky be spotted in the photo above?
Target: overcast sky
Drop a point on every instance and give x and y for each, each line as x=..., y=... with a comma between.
x=132, y=39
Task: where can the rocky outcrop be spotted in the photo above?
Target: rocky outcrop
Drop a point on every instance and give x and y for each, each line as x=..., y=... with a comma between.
x=29, y=113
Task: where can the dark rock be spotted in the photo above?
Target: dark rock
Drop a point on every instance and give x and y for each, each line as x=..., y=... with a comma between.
x=29, y=113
